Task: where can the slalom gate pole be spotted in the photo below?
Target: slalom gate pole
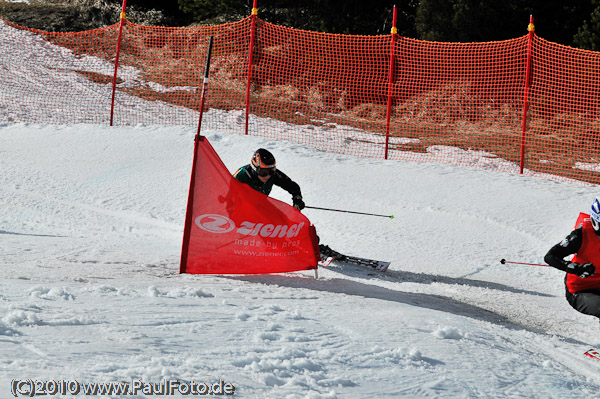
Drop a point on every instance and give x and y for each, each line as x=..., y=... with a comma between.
x=205, y=84
x=359, y=213
x=187, y=228
x=504, y=261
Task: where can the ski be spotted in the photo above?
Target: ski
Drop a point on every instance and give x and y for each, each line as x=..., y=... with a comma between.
x=328, y=255
x=593, y=353
x=378, y=265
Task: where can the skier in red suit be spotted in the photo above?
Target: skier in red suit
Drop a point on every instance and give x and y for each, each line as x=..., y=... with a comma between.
x=582, y=283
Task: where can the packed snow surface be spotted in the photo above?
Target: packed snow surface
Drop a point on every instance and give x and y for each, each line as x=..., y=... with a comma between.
x=91, y=222
x=91, y=230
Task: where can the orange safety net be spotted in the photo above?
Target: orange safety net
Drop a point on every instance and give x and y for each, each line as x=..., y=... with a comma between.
x=563, y=136
x=461, y=103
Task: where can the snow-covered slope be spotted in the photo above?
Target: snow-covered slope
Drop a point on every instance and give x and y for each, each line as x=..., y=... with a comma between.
x=91, y=227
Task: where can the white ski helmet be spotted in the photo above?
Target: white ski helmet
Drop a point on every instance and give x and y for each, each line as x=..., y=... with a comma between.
x=595, y=215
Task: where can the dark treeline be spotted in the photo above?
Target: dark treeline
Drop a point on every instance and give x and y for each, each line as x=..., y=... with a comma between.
x=574, y=23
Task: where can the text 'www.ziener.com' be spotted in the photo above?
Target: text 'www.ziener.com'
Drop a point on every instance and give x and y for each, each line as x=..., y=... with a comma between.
x=30, y=387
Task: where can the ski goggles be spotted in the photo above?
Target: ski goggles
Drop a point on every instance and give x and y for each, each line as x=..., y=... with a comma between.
x=262, y=172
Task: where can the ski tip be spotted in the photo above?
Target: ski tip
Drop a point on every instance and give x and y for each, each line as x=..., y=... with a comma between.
x=391, y=216
x=326, y=262
x=383, y=267
x=593, y=353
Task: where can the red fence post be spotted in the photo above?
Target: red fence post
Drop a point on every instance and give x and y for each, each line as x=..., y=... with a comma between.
x=114, y=81
x=250, y=52
x=391, y=84
x=531, y=29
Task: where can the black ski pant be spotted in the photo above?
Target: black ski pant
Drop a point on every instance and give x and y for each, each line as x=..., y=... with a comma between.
x=586, y=302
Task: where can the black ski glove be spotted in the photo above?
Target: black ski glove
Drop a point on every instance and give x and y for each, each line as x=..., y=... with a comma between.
x=298, y=203
x=582, y=270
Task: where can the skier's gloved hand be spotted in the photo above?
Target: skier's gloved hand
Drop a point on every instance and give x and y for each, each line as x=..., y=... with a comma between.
x=582, y=270
x=298, y=203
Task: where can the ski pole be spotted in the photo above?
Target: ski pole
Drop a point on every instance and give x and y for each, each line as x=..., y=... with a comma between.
x=504, y=261
x=359, y=213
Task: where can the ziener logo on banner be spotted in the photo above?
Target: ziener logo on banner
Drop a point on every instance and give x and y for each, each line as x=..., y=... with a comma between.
x=220, y=224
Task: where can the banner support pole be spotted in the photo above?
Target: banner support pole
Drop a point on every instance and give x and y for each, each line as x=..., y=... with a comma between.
x=204, y=85
x=190, y=204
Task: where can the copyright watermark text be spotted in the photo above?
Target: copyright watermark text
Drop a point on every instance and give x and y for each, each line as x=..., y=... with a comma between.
x=31, y=388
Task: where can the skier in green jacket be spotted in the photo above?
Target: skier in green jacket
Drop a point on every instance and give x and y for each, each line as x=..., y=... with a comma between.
x=262, y=174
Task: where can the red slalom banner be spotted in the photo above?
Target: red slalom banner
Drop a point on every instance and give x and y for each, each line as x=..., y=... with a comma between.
x=230, y=228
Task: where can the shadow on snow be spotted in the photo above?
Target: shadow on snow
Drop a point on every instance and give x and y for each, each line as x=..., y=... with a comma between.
x=429, y=301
